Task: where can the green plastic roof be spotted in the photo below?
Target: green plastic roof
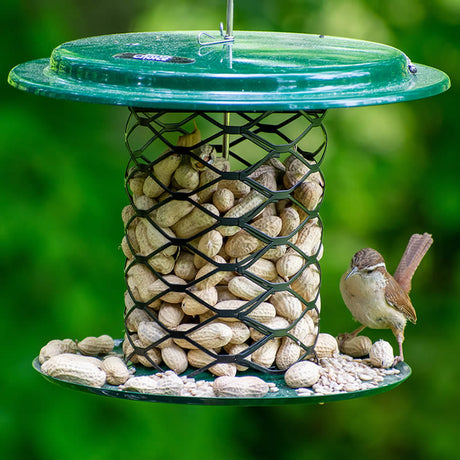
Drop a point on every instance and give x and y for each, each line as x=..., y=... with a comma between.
x=259, y=71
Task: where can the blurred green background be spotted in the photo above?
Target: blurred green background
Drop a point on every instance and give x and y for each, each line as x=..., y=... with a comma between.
x=390, y=171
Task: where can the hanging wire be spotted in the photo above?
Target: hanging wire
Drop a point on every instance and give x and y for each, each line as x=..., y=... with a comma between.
x=205, y=39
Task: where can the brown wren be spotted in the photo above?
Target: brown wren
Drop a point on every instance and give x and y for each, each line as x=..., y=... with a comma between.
x=374, y=297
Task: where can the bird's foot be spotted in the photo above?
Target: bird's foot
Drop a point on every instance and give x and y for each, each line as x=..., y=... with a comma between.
x=398, y=359
x=344, y=337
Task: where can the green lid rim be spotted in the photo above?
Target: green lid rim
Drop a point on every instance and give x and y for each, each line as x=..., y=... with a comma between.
x=78, y=78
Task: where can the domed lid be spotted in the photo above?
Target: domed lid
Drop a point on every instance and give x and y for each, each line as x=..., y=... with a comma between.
x=258, y=71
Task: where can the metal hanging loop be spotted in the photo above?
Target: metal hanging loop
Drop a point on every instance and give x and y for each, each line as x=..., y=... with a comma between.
x=205, y=39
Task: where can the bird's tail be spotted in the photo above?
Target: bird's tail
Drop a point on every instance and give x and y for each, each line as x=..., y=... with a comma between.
x=416, y=248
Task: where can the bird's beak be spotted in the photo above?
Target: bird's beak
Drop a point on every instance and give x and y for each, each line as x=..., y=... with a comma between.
x=352, y=272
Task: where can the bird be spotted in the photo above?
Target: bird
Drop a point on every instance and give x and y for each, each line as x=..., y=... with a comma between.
x=375, y=298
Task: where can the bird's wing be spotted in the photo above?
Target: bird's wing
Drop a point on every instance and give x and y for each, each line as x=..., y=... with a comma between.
x=416, y=248
x=398, y=299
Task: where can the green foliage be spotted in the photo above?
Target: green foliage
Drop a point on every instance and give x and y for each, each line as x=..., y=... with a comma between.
x=390, y=171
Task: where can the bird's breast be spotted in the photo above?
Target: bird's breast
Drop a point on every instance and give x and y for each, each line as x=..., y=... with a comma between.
x=364, y=295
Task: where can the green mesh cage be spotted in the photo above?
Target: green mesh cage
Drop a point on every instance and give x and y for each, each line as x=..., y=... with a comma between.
x=264, y=279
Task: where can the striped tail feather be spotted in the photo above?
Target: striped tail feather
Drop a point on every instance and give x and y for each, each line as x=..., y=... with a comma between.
x=416, y=248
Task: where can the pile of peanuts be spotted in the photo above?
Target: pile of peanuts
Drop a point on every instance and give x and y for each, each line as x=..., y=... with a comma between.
x=94, y=362
x=195, y=276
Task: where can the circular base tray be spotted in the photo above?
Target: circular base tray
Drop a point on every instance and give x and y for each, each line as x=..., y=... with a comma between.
x=285, y=395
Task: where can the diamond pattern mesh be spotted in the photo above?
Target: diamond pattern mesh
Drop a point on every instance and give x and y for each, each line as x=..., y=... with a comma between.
x=222, y=239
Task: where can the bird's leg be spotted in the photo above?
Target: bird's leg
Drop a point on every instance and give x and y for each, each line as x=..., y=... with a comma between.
x=400, y=338
x=357, y=331
x=349, y=335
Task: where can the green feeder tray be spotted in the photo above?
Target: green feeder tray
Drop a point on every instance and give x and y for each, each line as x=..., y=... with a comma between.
x=285, y=395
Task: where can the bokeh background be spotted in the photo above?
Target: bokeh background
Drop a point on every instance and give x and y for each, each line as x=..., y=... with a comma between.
x=390, y=171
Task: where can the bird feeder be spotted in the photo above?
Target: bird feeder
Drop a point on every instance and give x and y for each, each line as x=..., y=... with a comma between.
x=226, y=138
